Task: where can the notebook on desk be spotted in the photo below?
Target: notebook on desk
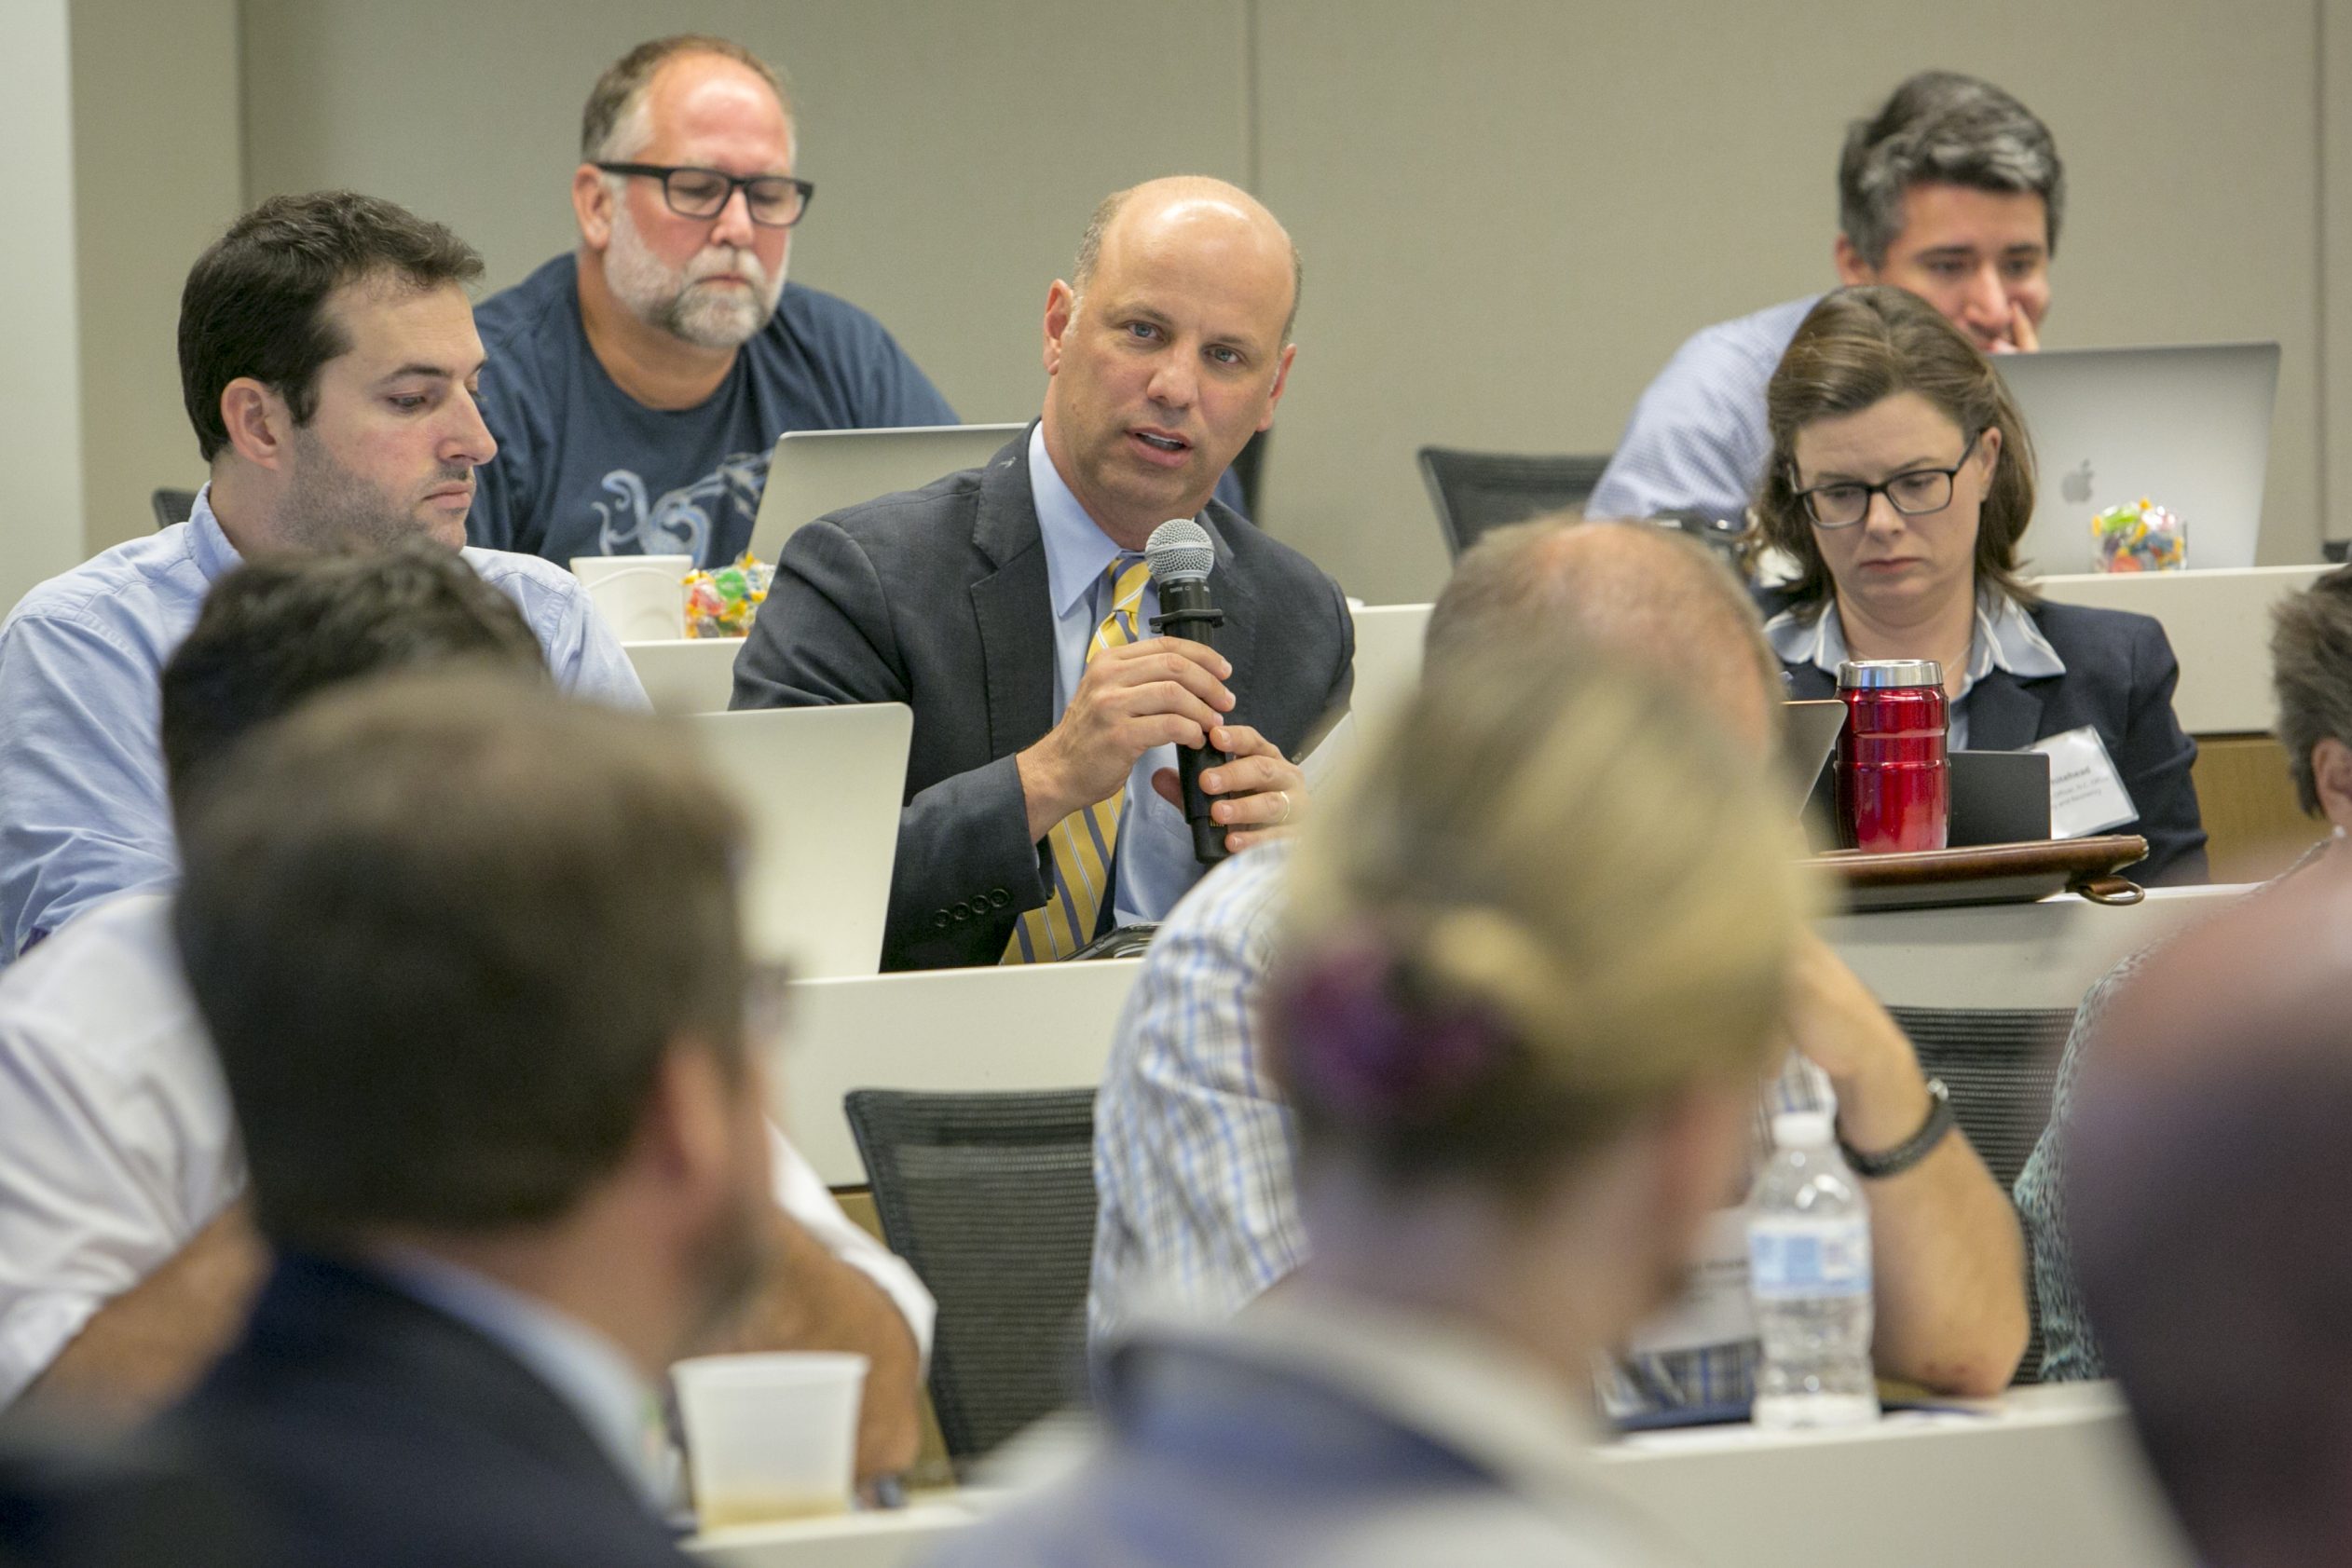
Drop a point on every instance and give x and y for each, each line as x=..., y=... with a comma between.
x=815, y=472
x=820, y=788
x=2187, y=427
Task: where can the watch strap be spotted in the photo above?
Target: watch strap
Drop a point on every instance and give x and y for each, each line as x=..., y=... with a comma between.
x=1912, y=1149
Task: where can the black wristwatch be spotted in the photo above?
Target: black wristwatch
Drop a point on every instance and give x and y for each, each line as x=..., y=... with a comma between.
x=1912, y=1149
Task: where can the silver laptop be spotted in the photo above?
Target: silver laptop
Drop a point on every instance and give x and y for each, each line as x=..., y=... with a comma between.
x=686, y=675
x=820, y=788
x=1387, y=659
x=2186, y=427
x=814, y=472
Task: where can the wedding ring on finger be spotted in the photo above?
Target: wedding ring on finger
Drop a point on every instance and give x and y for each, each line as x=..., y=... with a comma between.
x=1283, y=820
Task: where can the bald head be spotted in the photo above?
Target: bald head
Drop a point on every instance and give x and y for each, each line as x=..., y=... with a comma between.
x=1643, y=595
x=2208, y=1197
x=1169, y=352
x=1193, y=200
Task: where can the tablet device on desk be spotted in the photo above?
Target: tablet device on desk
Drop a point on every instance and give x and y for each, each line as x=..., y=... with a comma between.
x=820, y=788
x=2185, y=427
x=816, y=472
x=1998, y=798
x=1809, y=739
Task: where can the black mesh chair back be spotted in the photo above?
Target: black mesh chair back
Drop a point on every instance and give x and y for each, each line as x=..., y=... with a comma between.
x=1477, y=491
x=173, y=506
x=2000, y=1065
x=990, y=1197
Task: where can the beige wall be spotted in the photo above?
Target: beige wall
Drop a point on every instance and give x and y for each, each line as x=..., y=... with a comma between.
x=913, y=119
x=2335, y=164
x=1512, y=210
x=156, y=159
x=40, y=355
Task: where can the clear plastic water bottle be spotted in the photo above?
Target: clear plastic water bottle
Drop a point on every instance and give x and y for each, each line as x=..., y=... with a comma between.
x=1809, y=1275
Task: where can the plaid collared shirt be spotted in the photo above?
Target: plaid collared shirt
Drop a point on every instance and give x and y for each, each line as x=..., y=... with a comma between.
x=1194, y=1152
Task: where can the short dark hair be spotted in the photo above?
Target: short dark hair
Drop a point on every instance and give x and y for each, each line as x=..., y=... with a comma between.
x=254, y=302
x=1942, y=127
x=622, y=86
x=2311, y=672
x=1856, y=347
x=283, y=627
x=443, y=929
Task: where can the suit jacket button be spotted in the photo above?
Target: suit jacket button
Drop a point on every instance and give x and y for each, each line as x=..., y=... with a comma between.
x=999, y=898
x=939, y=921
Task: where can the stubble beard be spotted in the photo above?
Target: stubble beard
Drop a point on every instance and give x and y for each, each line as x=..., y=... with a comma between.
x=663, y=297
x=326, y=506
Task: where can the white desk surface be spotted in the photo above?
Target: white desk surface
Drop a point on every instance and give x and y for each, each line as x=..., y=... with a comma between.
x=2043, y=1476
x=2219, y=624
x=1049, y=1025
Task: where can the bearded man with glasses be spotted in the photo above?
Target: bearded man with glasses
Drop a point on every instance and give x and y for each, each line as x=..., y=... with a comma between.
x=637, y=386
x=1899, y=480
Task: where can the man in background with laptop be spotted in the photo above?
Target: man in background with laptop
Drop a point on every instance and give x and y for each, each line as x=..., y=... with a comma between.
x=1954, y=191
x=1193, y=1144
x=636, y=386
x=1010, y=605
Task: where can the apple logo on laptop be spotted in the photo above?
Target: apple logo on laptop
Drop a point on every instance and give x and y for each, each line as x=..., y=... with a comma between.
x=2076, y=485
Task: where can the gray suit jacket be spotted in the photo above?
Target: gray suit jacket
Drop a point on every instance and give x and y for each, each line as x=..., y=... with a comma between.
x=936, y=598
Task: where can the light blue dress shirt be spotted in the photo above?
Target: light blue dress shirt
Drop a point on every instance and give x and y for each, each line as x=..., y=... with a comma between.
x=1153, y=864
x=84, y=814
x=2004, y=638
x=1698, y=441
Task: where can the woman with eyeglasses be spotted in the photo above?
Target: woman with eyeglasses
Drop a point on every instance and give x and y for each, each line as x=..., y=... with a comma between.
x=1900, y=480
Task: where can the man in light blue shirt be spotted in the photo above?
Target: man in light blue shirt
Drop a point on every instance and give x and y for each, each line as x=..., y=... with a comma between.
x=1954, y=191
x=328, y=357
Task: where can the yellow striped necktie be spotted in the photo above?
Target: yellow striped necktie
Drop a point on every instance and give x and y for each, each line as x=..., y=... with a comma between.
x=1082, y=843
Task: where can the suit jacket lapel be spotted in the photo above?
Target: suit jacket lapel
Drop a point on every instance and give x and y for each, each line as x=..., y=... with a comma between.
x=1012, y=607
x=2004, y=713
x=1233, y=592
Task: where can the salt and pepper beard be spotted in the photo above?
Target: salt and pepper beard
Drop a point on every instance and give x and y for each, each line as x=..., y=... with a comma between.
x=665, y=296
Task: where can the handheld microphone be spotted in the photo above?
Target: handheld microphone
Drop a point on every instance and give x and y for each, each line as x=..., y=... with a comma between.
x=1180, y=553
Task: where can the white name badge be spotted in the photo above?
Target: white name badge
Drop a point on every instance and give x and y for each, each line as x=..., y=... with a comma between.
x=1713, y=1308
x=2086, y=793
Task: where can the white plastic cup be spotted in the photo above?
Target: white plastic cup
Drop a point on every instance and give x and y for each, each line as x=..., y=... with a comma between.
x=641, y=598
x=770, y=1436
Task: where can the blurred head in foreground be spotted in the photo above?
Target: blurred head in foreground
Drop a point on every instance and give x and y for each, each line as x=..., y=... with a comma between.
x=1536, y=958
x=470, y=954
x=2208, y=1191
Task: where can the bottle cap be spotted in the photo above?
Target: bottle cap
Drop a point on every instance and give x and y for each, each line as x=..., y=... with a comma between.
x=1868, y=674
x=1803, y=1129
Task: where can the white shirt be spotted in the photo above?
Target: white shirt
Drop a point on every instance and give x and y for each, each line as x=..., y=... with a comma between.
x=119, y=1145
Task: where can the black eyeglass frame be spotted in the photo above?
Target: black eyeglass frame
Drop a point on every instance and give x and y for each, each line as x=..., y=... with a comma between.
x=663, y=171
x=1886, y=487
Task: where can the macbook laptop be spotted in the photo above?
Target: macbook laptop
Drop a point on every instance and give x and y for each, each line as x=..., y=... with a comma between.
x=1387, y=660
x=686, y=675
x=815, y=472
x=820, y=788
x=2186, y=427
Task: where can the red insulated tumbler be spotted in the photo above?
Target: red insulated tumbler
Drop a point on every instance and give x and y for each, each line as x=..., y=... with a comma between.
x=1893, y=785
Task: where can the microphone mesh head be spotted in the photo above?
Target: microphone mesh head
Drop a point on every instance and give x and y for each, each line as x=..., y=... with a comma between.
x=1180, y=551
